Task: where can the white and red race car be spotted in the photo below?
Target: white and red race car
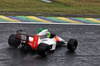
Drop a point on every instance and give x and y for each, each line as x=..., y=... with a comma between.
x=42, y=43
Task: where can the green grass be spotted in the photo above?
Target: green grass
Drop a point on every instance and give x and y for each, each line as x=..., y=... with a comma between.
x=90, y=7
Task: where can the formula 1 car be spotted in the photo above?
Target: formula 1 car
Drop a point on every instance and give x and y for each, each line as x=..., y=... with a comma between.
x=42, y=43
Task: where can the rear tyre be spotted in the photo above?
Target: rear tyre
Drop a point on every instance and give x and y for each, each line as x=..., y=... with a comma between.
x=13, y=41
x=43, y=49
x=26, y=48
x=72, y=45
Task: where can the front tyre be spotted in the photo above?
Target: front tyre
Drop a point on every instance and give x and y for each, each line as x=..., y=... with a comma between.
x=72, y=45
x=43, y=49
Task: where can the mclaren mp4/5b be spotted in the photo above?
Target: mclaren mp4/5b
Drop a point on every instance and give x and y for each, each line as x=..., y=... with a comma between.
x=42, y=43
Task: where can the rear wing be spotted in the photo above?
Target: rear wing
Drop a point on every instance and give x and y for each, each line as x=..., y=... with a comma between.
x=36, y=40
x=19, y=32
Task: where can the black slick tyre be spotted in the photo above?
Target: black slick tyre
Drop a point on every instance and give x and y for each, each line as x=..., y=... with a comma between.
x=72, y=45
x=43, y=49
x=13, y=41
x=26, y=48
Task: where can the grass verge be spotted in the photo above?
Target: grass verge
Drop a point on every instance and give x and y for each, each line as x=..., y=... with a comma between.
x=88, y=7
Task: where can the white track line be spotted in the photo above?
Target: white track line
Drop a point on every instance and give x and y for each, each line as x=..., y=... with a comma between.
x=46, y=23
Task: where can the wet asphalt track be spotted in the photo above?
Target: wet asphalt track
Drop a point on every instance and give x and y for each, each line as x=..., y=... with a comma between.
x=87, y=53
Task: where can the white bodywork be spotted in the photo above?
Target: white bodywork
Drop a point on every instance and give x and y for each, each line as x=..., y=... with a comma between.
x=49, y=41
x=46, y=40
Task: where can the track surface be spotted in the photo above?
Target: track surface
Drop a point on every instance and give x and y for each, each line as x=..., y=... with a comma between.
x=87, y=53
